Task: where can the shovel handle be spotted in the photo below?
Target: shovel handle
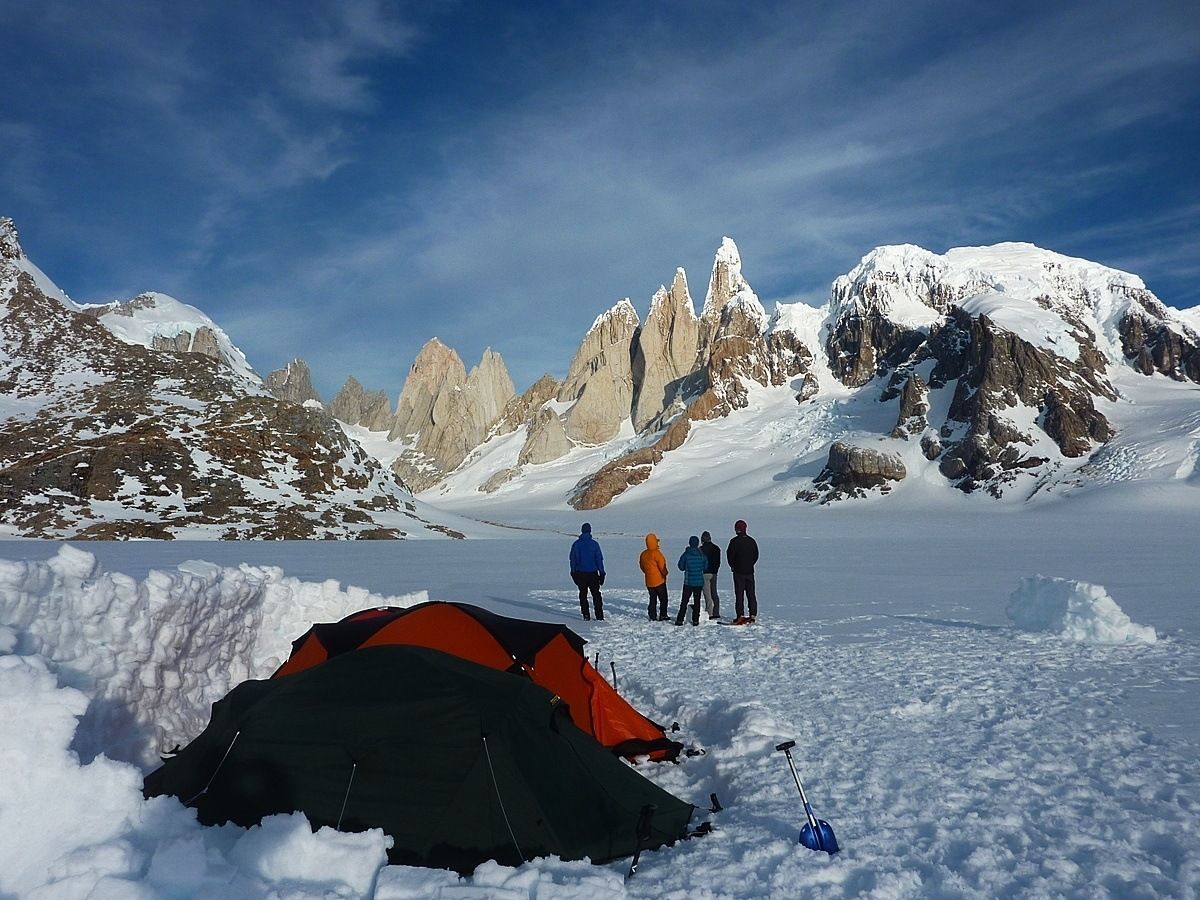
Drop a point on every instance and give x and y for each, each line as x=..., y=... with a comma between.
x=786, y=745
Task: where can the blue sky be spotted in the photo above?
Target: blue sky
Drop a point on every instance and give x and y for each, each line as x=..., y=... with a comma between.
x=343, y=180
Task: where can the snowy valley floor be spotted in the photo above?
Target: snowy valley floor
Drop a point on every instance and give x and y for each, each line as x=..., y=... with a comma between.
x=954, y=755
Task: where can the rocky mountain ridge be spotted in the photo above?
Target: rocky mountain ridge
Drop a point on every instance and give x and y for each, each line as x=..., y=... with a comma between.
x=989, y=369
x=1011, y=344
x=141, y=420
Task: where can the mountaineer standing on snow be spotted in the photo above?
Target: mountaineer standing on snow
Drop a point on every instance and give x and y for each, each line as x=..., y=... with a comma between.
x=654, y=565
x=712, y=565
x=742, y=554
x=587, y=571
x=692, y=563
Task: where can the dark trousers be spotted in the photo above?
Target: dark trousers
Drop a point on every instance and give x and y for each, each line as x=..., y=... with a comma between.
x=743, y=588
x=695, y=593
x=658, y=602
x=589, y=581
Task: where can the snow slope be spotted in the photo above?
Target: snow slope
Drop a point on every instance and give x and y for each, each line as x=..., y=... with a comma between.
x=153, y=315
x=954, y=754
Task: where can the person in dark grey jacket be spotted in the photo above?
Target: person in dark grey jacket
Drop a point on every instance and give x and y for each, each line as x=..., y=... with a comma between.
x=742, y=554
x=712, y=565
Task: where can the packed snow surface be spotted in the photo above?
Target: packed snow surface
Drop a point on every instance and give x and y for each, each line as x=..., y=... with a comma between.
x=954, y=754
x=1075, y=610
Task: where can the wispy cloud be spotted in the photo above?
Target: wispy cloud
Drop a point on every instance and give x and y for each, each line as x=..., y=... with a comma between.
x=496, y=175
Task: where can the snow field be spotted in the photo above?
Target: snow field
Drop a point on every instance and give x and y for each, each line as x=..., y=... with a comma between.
x=953, y=757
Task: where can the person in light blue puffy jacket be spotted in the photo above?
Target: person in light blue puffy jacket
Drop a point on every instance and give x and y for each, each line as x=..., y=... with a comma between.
x=692, y=563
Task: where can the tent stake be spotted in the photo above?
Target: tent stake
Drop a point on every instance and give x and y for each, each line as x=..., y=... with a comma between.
x=614, y=668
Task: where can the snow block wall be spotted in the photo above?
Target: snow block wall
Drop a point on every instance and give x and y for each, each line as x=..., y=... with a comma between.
x=1075, y=610
x=155, y=654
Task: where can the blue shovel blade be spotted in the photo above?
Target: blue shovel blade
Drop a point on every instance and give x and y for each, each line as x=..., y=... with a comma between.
x=820, y=839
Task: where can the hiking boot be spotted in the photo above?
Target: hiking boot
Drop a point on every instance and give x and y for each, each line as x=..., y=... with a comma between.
x=740, y=620
x=586, y=617
x=750, y=621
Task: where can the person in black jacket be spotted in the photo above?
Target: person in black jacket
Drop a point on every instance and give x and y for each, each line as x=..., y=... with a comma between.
x=712, y=565
x=742, y=554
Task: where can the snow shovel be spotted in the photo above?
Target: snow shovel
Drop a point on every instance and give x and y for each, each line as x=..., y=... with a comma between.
x=817, y=834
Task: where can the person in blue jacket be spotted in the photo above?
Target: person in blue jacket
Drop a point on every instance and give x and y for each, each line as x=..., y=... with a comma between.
x=587, y=571
x=692, y=564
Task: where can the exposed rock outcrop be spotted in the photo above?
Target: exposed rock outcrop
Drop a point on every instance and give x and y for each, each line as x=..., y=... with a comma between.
x=996, y=371
x=547, y=439
x=914, y=405
x=293, y=383
x=355, y=405
x=520, y=410
x=614, y=478
x=852, y=471
x=1153, y=345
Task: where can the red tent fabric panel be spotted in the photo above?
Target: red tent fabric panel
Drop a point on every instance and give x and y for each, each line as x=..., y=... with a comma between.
x=310, y=652
x=596, y=707
x=442, y=626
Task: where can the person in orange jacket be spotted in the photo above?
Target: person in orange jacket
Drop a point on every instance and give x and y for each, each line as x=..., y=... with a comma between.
x=654, y=565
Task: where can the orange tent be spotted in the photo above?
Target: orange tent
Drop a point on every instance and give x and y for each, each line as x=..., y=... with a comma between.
x=551, y=655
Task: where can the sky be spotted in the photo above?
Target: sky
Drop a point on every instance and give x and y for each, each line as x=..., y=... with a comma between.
x=344, y=180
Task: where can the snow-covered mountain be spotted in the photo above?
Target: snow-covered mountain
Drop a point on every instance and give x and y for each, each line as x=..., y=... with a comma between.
x=1010, y=371
x=1006, y=372
x=142, y=419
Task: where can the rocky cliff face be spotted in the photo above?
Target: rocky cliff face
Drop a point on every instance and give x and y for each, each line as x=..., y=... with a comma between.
x=599, y=383
x=664, y=354
x=293, y=383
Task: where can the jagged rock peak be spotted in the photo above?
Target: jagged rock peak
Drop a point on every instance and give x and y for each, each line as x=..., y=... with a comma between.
x=727, y=287
x=293, y=383
x=675, y=296
x=10, y=246
x=492, y=386
x=599, y=381
x=436, y=370
x=664, y=352
x=355, y=405
x=619, y=314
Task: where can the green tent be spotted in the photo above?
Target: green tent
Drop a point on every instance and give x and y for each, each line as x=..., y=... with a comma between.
x=459, y=763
